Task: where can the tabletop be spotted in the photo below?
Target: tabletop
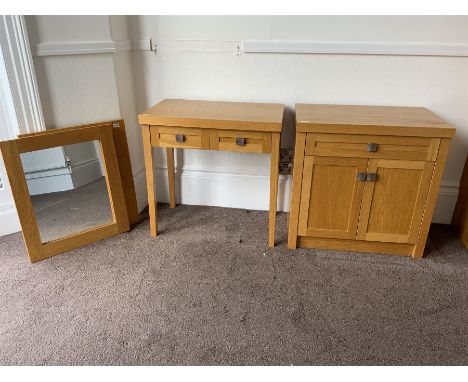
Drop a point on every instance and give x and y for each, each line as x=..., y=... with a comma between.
x=325, y=117
x=215, y=114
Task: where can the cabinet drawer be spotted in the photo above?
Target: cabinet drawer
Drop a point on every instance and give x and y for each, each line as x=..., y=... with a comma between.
x=240, y=141
x=183, y=137
x=368, y=146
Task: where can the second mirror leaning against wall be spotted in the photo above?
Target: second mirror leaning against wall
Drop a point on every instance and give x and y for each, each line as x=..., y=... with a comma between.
x=70, y=186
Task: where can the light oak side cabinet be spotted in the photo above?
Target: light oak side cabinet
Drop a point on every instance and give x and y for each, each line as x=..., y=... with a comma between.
x=366, y=178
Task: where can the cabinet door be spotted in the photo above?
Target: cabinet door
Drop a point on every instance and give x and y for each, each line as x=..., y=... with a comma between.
x=393, y=204
x=330, y=197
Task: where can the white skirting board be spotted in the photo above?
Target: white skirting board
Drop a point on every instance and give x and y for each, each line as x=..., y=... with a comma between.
x=446, y=201
x=8, y=214
x=139, y=179
x=39, y=185
x=204, y=188
x=86, y=172
x=222, y=189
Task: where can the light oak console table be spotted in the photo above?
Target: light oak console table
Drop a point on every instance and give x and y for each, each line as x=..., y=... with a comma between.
x=211, y=125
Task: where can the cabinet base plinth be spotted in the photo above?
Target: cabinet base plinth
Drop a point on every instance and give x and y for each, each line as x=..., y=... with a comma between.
x=356, y=246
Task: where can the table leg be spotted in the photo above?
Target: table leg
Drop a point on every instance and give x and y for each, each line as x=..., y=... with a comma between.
x=274, y=176
x=148, y=153
x=170, y=176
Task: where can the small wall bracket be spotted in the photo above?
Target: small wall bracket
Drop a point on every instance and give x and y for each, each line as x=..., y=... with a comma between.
x=152, y=46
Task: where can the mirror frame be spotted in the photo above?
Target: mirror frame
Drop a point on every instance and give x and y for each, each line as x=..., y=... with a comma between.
x=123, y=157
x=121, y=203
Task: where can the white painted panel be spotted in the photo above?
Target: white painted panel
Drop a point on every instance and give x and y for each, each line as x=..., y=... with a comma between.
x=46, y=171
x=41, y=160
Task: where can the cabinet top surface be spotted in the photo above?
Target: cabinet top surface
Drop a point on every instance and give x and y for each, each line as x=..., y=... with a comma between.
x=379, y=120
x=215, y=114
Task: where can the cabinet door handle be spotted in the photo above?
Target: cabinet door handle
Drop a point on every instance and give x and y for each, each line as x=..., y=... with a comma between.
x=361, y=176
x=371, y=176
x=180, y=138
x=372, y=147
x=240, y=141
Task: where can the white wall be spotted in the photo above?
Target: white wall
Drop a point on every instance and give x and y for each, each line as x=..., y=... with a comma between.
x=45, y=28
x=86, y=72
x=427, y=29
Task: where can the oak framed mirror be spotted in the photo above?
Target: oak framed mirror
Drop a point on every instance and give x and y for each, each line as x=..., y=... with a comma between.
x=71, y=186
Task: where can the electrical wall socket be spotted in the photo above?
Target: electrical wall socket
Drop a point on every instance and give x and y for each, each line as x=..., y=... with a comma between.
x=286, y=159
x=286, y=156
x=285, y=168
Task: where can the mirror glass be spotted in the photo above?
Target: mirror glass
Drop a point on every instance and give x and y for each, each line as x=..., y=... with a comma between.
x=68, y=189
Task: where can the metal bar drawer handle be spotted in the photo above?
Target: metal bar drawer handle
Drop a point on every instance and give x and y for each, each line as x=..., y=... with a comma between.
x=240, y=141
x=371, y=177
x=180, y=138
x=372, y=147
x=361, y=176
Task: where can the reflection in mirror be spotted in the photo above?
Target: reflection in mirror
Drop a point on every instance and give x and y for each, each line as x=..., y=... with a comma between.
x=68, y=189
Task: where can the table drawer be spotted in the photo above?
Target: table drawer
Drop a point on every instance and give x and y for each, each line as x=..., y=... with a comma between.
x=240, y=141
x=183, y=137
x=368, y=146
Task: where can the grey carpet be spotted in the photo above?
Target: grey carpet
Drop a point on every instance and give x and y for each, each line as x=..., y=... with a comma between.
x=209, y=291
x=60, y=214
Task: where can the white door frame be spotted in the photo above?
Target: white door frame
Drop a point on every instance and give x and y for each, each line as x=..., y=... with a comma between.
x=21, y=107
x=21, y=75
